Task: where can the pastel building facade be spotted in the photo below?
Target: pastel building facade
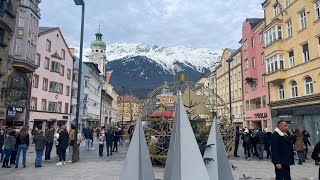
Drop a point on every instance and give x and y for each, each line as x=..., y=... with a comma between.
x=292, y=53
x=255, y=92
x=51, y=82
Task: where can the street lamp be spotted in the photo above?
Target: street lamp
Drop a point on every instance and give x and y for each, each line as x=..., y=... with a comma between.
x=123, y=90
x=75, y=154
x=229, y=73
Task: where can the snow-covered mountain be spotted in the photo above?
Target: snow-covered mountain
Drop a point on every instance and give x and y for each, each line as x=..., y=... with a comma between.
x=196, y=58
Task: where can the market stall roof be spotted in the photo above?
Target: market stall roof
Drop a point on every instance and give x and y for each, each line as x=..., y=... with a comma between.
x=161, y=114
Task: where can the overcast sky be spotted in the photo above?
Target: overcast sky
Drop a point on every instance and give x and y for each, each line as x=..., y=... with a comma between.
x=191, y=23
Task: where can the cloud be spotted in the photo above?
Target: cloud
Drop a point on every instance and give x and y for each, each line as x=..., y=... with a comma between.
x=204, y=23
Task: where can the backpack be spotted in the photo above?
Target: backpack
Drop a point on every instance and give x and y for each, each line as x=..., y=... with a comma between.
x=246, y=138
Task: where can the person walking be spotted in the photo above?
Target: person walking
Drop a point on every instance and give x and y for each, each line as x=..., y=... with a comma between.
x=237, y=141
x=63, y=145
x=267, y=144
x=306, y=142
x=316, y=155
x=98, y=132
x=50, y=138
x=88, y=136
x=246, y=143
x=299, y=145
x=282, y=151
x=109, y=140
x=23, y=144
x=56, y=142
x=40, y=142
x=14, y=152
x=117, y=134
x=2, y=136
x=101, y=142
x=71, y=142
x=260, y=143
x=9, y=146
x=130, y=132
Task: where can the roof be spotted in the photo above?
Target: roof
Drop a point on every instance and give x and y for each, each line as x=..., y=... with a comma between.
x=264, y=3
x=254, y=21
x=44, y=29
x=166, y=114
x=93, y=66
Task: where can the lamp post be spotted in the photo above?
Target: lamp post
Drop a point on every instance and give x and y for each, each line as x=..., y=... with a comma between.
x=229, y=74
x=123, y=90
x=75, y=154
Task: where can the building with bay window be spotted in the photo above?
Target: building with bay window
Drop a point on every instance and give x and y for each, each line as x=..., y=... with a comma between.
x=292, y=53
x=51, y=82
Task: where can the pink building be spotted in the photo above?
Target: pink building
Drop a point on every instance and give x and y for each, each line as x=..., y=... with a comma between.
x=51, y=82
x=255, y=90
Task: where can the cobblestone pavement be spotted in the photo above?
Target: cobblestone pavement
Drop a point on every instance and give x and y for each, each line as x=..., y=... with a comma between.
x=91, y=166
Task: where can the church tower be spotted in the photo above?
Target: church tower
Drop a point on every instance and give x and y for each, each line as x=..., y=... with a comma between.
x=97, y=54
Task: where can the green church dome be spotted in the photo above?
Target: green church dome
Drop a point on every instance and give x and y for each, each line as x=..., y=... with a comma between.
x=98, y=42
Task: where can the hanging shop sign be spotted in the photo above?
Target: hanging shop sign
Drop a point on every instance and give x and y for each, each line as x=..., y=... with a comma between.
x=11, y=111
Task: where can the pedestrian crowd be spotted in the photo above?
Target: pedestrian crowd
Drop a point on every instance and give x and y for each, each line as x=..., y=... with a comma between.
x=281, y=146
x=14, y=142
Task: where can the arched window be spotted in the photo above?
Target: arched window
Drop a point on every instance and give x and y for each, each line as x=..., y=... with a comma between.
x=308, y=85
x=281, y=92
x=294, y=89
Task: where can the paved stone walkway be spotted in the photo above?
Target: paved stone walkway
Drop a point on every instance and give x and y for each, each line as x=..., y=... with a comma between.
x=91, y=166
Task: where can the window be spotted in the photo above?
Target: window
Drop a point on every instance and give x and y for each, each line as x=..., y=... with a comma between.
x=308, y=85
x=239, y=77
x=254, y=85
x=294, y=89
x=245, y=45
x=235, y=94
x=52, y=106
x=263, y=80
x=236, y=111
x=69, y=73
x=275, y=10
x=44, y=105
x=317, y=6
x=246, y=65
x=252, y=42
x=240, y=109
x=291, y=59
x=303, y=20
x=67, y=90
x=71, y=109
x=240, y=92
x=2, y=35
x=85, y=83
x=38, y=59
x=305, y=52
x=54, y=87
x=264, y=102
x=288, y=3
x=35, y=81
x=33, y=104
x=55, y=66
x=45, y=84
x=255, y=103
x=289, y=29
x=66, y=108
x=46, y=63
x=62, y=70
x=63, y=54
x=281, y=92
x=262, y=59
x=274, y=63
x=61, y=88
x=271, y=35
x=247, y=105
x=21, y=20
x=48, y=45
x=253, y=62
x=261, y=37
x=19, y=46
x=59, y=106
x=74, y=77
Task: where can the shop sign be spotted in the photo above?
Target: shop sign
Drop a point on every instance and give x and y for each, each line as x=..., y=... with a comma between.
x=11, y=111
x=19, y=109
x=261, y=115
x=18, y=123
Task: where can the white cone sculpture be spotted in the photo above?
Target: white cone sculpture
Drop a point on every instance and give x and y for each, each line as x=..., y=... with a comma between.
x=138, y=164
x=184, y=160
x=219, y=169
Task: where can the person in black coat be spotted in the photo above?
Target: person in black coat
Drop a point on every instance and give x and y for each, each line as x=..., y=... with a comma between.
x=109, y=140
x=282, y=151
x=116, y=138
x=267, y=144
x=63, y=145
x=260, y=143
x=306, y=141
x=315, y=154
x=237, y=141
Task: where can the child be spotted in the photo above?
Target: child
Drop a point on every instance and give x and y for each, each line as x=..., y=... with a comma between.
x=101, y=143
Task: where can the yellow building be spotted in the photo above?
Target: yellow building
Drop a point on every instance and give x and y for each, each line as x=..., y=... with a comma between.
x=292, y=49
x=128, y=109
x=222, y=83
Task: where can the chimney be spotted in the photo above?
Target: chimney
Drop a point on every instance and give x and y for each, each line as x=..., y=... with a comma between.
x=72, y=51
x=108, y=76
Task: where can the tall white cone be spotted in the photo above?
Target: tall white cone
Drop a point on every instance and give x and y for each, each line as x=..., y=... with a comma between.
x=138, y=164
x=219, y=169
x=184, y=160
